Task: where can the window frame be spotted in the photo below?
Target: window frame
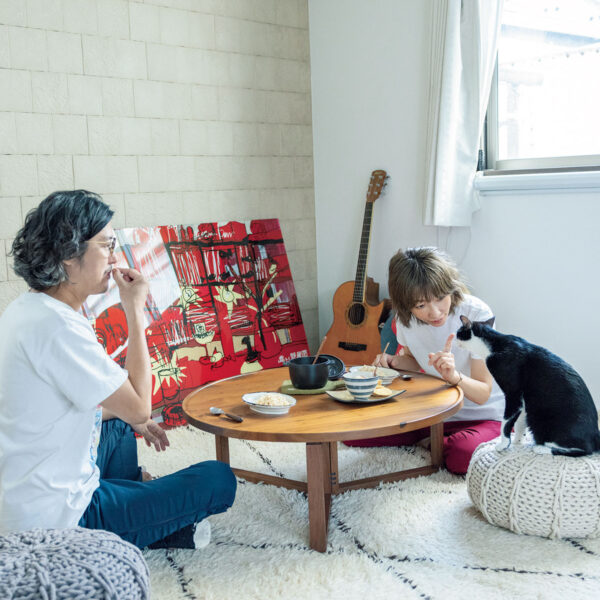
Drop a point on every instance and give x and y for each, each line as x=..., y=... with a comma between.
x=489, y=146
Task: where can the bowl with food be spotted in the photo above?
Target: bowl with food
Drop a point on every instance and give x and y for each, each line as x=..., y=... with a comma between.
x=383, y=373
x=360, y=385
x=269, y=403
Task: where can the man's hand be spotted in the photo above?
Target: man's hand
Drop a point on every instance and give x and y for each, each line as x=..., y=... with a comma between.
x=133, y=288
x=153, y=433
x=443, y=362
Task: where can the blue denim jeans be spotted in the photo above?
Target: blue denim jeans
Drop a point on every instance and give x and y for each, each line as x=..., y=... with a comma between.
x=143, y=512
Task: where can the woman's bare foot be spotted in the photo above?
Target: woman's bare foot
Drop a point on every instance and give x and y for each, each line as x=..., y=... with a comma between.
x=425, y=443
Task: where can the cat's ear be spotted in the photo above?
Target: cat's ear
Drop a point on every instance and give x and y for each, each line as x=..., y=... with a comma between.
x=465, y=321
x=490, y=322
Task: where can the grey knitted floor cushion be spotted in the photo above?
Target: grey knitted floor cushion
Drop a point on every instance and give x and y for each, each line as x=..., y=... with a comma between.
x=536, y=494
x=71, y=564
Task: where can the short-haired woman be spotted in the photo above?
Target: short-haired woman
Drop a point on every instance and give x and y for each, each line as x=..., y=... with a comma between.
x=429, y=295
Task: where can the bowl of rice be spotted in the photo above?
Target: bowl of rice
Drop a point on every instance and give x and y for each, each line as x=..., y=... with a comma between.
x=385, y=375
x=269, y=403
x=360, y=385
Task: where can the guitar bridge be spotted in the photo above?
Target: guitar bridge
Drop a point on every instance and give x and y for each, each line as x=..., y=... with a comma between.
x=352, y=346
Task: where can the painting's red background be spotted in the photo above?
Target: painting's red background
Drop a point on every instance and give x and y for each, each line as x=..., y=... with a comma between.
x=222, y=302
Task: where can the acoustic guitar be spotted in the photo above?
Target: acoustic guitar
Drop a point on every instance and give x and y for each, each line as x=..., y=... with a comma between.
x=354, y=335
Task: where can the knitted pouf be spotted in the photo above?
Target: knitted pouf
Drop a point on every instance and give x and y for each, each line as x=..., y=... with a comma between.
x=71, y=563
x=536, y=494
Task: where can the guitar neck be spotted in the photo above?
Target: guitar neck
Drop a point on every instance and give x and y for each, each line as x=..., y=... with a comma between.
x=363, y=254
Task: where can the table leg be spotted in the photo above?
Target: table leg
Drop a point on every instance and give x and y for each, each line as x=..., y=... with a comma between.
x=319, y=492
x=222, y=447
x=334, y=478
x=437, y=444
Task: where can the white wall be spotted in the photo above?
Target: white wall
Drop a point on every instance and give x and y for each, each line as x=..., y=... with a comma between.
x=368, y=61
x=532, y=256
x=176, y=111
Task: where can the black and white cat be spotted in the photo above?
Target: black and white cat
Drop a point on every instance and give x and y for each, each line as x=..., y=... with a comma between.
x=542, y=392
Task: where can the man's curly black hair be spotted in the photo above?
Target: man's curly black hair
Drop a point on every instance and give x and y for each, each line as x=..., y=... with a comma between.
x=57, y=230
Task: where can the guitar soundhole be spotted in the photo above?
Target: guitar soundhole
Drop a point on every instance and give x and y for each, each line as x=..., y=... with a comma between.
x=356, y=314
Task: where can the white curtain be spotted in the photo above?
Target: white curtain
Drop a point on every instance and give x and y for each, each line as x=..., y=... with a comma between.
x=463, y=53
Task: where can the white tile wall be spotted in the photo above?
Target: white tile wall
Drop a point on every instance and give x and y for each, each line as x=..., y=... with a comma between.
x=3, y=262
x=176, y=111
x=14, y=12
x=55, y=172
x=50, y=93
x=64, y=52
x=4, y=47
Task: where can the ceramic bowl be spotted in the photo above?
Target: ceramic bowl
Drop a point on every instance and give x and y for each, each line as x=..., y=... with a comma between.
x=359, y=385
x=255, y=401
x=385, y=375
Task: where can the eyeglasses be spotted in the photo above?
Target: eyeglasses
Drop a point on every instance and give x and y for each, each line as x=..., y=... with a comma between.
x=110, y=245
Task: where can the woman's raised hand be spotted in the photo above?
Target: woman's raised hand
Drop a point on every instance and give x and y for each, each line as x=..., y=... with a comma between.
x=443, y=362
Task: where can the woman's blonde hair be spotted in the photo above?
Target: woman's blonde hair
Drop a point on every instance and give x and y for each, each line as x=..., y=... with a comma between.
x=417, y=274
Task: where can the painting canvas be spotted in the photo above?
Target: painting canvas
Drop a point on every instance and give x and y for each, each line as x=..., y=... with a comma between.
x=221, y=303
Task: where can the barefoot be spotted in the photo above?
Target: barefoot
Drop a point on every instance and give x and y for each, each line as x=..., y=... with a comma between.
x=146, y=476
x=425, y=443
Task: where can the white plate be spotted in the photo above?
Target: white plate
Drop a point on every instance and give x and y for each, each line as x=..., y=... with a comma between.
x=348, y=398
x=265, y=409
x=386, y=375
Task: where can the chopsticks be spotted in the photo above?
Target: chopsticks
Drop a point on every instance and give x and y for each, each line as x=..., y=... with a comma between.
x=375, y=367
x=319, y=350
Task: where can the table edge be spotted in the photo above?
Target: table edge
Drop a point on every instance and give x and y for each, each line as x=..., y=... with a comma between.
x=330, y=436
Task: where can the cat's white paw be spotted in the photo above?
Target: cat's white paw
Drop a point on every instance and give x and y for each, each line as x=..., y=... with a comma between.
x=503, y=444
x=542, y=449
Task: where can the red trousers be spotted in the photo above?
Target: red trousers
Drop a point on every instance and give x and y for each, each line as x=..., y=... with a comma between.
x=460, y=440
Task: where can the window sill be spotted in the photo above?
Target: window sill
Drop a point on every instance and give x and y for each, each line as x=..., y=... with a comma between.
x=588, y=181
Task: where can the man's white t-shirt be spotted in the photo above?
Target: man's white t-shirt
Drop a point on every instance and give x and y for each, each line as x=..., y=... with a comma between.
x=421, y=339
x=53, y=375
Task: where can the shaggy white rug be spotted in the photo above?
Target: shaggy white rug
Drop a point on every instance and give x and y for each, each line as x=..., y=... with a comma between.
x=420, y=538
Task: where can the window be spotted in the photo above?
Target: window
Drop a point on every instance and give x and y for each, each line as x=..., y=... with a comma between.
x=544, y=110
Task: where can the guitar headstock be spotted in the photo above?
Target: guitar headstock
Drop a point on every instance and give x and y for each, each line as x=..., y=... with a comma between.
x=376, y=185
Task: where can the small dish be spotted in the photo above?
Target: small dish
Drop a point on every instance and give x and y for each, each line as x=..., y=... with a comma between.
x=348, y=398
x=385, y=375
x=255, y=401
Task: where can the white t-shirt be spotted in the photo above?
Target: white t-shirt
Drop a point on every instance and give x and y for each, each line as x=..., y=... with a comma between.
x=422, y=339
x=53, y=375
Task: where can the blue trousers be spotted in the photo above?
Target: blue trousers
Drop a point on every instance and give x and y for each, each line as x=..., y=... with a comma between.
x=143, y=512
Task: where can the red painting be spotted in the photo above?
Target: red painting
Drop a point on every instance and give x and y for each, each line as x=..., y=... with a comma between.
x=221, y=303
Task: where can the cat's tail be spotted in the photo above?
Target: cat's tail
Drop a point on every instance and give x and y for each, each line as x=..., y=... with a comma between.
x=589, y=446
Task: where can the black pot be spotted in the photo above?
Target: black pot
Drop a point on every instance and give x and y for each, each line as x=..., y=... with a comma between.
x=305, y=375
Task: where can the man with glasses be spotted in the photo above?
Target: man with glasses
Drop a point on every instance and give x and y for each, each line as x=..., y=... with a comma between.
x=68, y=455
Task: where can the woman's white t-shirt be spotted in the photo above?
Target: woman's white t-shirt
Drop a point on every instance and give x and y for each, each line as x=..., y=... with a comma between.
x=53, y=375
x=421, y=339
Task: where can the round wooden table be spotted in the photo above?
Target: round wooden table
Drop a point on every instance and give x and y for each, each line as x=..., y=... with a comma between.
x=320, y=422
